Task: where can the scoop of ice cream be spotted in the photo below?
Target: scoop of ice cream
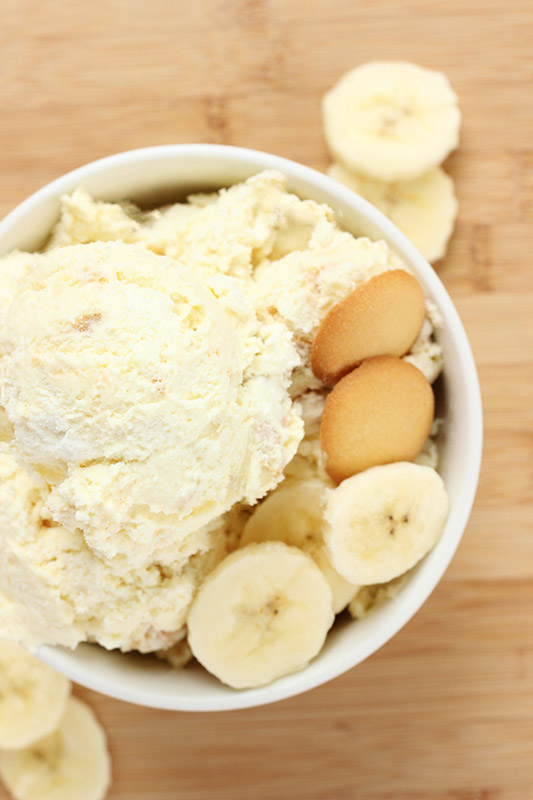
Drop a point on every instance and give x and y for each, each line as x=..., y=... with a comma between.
x=54, y=590
x=113, y=353
x=83, y=220
x=301, y=286
x=127, y=386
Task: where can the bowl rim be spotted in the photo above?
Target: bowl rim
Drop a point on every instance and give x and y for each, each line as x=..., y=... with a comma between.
x=398, y=615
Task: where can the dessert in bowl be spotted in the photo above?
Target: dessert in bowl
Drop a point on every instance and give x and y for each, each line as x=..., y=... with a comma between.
x=259, y=381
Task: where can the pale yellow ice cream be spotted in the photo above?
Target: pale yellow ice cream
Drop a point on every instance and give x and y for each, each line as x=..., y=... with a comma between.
x=154, y=380
x=130, y=389
x=54, y=589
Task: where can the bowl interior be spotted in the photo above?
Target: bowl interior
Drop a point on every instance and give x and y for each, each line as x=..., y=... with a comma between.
x=162, y=174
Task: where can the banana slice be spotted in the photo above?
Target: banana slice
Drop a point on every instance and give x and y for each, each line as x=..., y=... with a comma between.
x=32, y=697
x=294, y=514
x=264, y=612
x=70, y=764
x=424, y=208
x=381, y=522
x=391, y=120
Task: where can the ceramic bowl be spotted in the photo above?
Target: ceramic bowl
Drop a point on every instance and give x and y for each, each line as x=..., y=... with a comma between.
x=157, y=175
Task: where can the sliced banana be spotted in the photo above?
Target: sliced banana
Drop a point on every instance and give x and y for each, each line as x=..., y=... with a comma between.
x=32, y=697
x=294, y=514
x=391, y=120
x=425, y=208
x=70, y=764
x=262, y=613
x=381, y=522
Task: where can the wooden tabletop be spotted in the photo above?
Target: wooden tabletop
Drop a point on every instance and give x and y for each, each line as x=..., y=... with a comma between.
x=445, y=710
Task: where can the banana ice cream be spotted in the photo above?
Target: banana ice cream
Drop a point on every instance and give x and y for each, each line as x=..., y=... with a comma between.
x=154, y=380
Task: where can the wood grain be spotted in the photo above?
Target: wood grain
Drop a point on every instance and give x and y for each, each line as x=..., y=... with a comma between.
x=445, y=710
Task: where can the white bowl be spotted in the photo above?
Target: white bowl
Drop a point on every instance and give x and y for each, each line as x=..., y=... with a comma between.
x=159, y=174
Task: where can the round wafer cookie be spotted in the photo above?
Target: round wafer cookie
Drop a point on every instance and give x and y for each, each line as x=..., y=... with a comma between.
x=382, y=316
x=379, y=413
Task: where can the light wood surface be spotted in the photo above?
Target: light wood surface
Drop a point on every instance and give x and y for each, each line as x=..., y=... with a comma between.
x=445, y=710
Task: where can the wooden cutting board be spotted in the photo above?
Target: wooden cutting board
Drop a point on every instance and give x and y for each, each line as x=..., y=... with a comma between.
x=445, y=710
